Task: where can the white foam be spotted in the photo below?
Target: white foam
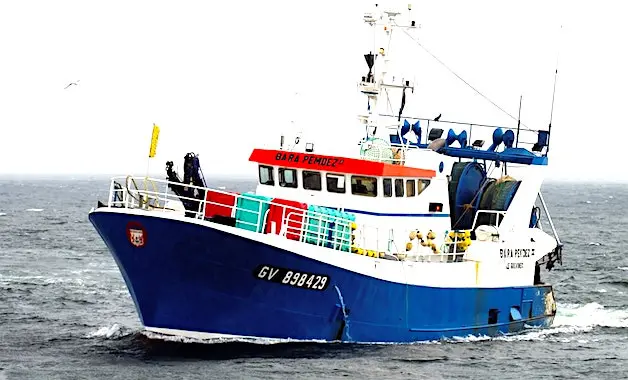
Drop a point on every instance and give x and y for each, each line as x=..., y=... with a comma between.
x=3, y=213
x=230, y=339
x=570, y=319
x=113, y=331
x=590, y=315
x=35, y=209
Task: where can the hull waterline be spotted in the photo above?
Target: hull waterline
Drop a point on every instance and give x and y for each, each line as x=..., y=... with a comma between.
x=199, y=281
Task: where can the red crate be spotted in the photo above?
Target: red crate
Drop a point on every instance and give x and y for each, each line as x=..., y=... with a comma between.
x=277, y=212
x=224, y=206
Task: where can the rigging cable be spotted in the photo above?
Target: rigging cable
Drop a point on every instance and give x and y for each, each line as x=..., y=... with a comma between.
x=458, y=76
x=549, y=128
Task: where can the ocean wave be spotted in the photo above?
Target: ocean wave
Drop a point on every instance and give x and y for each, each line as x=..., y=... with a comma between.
x=590, y=315
x=114, y=331
x=570, y=319
x=252, y=340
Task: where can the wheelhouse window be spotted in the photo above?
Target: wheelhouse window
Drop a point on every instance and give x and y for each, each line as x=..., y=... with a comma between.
x=422, y=185
x=387, y=182
x=336, y=183
x=287, y=178
x=398, y=188
x=266, y=175
x=366, y=186
x=311, y=180
x=410, y=187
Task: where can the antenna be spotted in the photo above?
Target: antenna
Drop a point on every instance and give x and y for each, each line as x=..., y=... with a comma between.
x=549, y=128
x=518, y=122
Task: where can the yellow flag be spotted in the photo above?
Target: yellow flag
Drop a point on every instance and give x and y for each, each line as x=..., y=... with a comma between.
x=153, y=141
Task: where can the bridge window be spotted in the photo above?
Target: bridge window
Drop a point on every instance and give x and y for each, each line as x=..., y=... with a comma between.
x=287, y=178
x=266, y=175
x=387, y=187
x=398, y=188
x=336, y=183
x=311, y=180
x=366, y=186
x=422, y=185
x=410, y=187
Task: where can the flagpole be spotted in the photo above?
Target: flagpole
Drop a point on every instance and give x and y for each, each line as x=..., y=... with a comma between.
x=151, y=152
x=153, y=146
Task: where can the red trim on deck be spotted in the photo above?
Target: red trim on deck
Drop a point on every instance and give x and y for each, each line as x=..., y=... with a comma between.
x=335, y=164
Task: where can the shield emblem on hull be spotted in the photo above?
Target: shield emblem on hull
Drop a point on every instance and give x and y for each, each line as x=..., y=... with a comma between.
x=136, y=234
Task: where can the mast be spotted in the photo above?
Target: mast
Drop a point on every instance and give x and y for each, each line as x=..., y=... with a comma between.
x=377, y=82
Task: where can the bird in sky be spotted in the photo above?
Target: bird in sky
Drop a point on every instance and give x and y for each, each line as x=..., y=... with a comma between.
x=73, y=83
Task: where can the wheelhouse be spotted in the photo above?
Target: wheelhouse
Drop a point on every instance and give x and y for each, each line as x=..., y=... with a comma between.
x=337, y=176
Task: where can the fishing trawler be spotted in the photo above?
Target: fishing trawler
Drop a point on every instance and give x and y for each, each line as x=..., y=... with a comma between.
x=413, y=235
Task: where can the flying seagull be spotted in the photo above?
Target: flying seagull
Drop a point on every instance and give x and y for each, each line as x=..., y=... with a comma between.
x=73, y=83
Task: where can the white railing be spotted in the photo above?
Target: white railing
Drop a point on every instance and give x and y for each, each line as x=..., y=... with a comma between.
x=390, y=153
x=318, y=229
x=155, y=194
x=499, y=216
x=525, y=133
x=303, y=225
x=448, y=250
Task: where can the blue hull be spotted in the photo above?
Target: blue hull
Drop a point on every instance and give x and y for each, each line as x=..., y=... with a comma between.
x=199, y=279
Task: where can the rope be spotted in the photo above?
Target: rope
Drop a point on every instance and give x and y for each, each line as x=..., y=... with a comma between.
x=458, y=76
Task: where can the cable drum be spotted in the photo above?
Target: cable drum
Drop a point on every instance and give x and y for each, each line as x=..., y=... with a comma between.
x=465, y=191
x=456, y=172
x=497, y=197
x=504, y=194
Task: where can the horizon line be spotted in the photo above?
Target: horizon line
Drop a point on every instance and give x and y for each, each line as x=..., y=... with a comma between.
x=217, y=176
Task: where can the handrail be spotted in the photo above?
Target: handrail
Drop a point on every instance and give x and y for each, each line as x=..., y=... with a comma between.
x=496, y=212
x=157, y=200
x=468, y=125
x=459, y=122
x=330, y=231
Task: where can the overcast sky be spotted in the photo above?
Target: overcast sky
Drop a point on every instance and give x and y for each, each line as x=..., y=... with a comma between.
x=220, y=78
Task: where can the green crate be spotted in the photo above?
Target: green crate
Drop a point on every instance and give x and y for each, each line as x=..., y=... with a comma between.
x=250, y=211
